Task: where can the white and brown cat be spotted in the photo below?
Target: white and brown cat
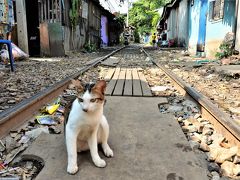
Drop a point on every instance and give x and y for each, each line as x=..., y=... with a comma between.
x=86, y=126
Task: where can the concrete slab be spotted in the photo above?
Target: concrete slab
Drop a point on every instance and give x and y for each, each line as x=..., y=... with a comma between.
x=228, y=69
x=146, y=144
x=111, y=61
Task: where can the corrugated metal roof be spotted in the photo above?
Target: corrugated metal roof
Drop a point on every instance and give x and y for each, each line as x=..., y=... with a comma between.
x=166, y=10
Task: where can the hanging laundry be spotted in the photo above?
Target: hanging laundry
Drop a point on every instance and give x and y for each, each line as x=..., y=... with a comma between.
x=10, y=13
x=4, y=11
x=6, y=16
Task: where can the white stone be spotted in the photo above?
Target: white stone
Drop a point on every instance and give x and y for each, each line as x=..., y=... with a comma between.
x=220, y=154
x=203, y=146
x=227, y=168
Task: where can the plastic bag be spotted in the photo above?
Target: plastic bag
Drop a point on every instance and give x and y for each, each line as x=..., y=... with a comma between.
x=18, y=54
x=4, y=56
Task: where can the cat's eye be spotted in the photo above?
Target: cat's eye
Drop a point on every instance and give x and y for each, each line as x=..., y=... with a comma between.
x=80, y=99
x=92, y=100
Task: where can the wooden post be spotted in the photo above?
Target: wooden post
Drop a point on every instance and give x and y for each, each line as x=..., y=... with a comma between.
x=22, y=25
x=237, y=26
x=48, y=11
x=52, y=12
x=60, y=11
x=45, y=12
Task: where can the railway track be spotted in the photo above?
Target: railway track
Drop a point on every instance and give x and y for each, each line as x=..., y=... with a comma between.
x=13, y=118
x=118, y=78
x=16, y=116
x=221, y=121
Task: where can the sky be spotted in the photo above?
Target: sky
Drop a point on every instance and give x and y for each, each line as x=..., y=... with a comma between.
x=116, y=6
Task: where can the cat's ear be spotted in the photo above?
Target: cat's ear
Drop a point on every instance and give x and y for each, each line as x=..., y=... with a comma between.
x=77, y=85
x=101, y=86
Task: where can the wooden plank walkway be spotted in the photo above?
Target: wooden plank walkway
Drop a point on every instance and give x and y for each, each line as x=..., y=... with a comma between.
x=127, y=82
x=112, y=83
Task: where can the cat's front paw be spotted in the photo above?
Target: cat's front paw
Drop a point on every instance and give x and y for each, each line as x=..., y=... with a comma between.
x=72, y=169
x=100, y=163
x=107, y=150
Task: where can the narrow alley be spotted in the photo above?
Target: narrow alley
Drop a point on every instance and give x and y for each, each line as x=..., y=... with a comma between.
x=172, y=75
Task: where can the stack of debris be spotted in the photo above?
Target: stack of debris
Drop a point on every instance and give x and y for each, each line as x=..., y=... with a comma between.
x=49, y=120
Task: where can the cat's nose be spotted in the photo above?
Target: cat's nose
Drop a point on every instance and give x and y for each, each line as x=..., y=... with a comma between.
x=85, y=110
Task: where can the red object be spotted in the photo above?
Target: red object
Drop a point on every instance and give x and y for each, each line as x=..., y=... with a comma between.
x=170, y=42
x=2, y=166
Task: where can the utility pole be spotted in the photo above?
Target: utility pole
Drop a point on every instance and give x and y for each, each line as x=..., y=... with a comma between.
x=22, y=25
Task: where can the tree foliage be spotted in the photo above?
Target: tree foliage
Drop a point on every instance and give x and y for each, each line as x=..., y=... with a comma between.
x=144, y=16
x=74, y=12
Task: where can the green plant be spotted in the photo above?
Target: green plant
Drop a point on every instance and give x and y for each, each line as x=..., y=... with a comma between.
x=136, y=36
x=144, y=15
x=121, y=39
x=121, y=20
x=74, y=12
x=90, y=47
x=225, y=51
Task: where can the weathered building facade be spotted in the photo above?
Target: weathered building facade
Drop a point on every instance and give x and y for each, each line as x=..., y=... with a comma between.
x=174, y=22
x=53, y=27
x=209, y=22
x=199, y=25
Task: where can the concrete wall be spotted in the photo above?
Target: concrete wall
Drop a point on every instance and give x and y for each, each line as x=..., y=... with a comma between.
x=216, y=30
x=183, y=23
x=193, y=26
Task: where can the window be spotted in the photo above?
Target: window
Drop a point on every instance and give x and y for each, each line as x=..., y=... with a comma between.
x=51, y=11
x=216, y=10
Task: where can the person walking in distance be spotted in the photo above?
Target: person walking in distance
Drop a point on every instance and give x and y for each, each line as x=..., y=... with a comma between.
x=154, y=39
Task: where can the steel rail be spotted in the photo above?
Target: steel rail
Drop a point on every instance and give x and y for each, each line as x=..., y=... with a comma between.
x=221, y=120
x=16, y=116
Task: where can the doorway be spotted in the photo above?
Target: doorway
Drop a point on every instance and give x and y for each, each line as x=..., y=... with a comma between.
x=33, y=27
x=104, y=31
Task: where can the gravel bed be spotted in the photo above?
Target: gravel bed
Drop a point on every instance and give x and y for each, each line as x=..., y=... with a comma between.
x=12, y=165
x=33, y=76
x=221, y=89
x=222, y=158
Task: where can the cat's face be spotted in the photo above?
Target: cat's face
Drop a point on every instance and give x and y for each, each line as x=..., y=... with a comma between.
x=91, y=96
